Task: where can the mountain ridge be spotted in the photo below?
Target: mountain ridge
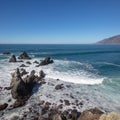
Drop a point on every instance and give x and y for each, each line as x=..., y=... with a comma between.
x=111, y=40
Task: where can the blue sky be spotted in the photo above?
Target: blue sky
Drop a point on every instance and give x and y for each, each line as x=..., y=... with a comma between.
x=58, y=21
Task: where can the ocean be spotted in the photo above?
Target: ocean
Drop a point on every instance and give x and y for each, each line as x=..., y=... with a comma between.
x=94, y=69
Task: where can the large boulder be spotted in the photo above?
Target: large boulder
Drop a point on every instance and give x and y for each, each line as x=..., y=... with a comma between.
x=92, y=114
x=6, y=53
x=46, y=61
x=59, y=86
x=42, y=74
x=110, y=116
x=13, y=59
x=3, y=106
x=21, y=88
x=24, y=55
x=23, y=72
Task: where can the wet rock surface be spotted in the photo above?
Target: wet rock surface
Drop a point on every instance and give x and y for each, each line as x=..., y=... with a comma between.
x=3, y=106
x=13, y=59
x=59, y=86
x=23, y=65
x=46, y=61
x=24, y=55
x=6, y=53
x=22, y=88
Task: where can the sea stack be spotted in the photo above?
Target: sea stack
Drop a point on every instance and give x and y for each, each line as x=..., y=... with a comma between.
x=24, y=55
x=13, y=59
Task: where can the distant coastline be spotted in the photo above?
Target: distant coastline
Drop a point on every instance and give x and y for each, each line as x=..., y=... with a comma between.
x=111, y=40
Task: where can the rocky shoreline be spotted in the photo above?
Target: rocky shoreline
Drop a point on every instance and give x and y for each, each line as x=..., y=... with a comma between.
x=54, y=102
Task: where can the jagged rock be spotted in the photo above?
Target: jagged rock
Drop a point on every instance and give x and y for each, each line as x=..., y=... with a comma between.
x=3, y=106
x=19, y=103
x=45, y=109
x=59, y=86
x=9, y=100
x=24, y=72
x=28, y=62
x=16, y=76
x=13, y=59
x=23, y=65
x=92, y=114
x=21, y=88
x=47, y=103
x=46, y=61
x=6, y=53
x=42, y=74
x=67, y=102
x=36, y=62
x=75, y=114
x=8, y=88
x=24, y=55
x=60, y=106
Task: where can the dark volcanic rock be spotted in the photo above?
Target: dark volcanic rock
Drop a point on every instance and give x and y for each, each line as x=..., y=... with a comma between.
x=46, y=61
x=6, y=53
x=59, y=86
x=8, y=88
x=23, y=65
x=67, y=102
x=36, y=62
x=24, y=55
x=24, y=72
x=42, y=74
x=92, y=114
x=3, y=106
x=13, y=59
x=28, y=62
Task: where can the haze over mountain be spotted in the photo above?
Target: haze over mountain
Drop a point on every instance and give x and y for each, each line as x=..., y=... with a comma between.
x=111, y=40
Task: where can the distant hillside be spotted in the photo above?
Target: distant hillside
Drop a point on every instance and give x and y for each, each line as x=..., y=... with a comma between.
x=111, y=40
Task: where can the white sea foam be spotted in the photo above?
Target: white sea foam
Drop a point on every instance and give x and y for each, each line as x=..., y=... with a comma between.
x=63, y=70
x=67, y=72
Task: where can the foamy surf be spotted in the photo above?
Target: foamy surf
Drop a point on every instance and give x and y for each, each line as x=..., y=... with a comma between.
x=67, y=71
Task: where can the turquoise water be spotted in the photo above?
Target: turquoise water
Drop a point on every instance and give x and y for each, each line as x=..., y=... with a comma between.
x=96, y=65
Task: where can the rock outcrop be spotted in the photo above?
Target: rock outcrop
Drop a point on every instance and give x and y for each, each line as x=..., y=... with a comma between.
x=24, y=55
x=110, y=116
x=6, y=53
x=92, y=114
x=59, y=86
x=13, y=59
x=22, y=88
x=3, y=106
x=46, y=61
